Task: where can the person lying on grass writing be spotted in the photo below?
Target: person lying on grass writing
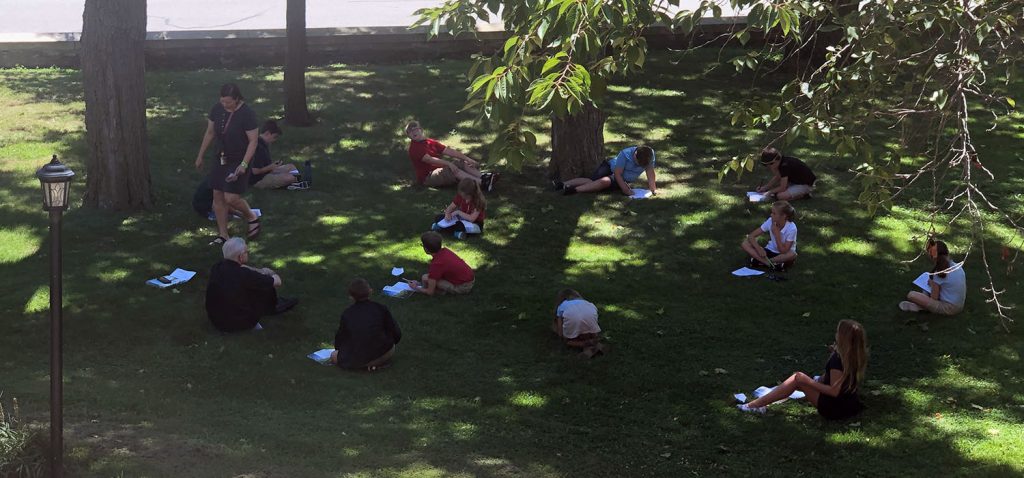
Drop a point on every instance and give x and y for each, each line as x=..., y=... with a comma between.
x=781, y=247
x=835, y=393
x=448, y=273
x=616, y=173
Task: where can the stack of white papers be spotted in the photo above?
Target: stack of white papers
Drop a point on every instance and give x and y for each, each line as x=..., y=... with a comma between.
x=322, y=356
x=174, y=278
x=922, y=282
x=762, y=391
x=398, y=289
x=746, y=272
x=255, y=211
x=639, y=193
x=451, y=222
x=755, y=197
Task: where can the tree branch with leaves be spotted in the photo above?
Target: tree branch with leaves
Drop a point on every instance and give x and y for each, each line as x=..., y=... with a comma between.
x=920, y=68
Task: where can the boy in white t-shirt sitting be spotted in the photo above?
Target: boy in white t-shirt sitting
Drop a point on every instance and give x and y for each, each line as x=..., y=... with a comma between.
x=576, y=323
x=781, y=248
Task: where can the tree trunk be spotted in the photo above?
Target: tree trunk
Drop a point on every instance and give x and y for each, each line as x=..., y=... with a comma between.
x=577, y=143
x=113, y=75
x=296, y=112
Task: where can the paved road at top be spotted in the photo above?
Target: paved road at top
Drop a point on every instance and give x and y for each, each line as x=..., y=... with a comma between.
x=27, y=17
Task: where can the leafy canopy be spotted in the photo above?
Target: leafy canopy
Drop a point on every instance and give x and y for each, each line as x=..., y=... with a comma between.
x=560, y=55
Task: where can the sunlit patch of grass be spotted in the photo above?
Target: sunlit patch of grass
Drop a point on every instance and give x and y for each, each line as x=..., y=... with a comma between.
x=849, y=245
x=704, y=245
x=17, y=243
x=113, y=275
x=528, y=399
x=462, y=430
x=39, y=301
x=587, y=252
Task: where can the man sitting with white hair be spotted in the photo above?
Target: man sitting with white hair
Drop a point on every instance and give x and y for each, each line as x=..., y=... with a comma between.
x=238, y=295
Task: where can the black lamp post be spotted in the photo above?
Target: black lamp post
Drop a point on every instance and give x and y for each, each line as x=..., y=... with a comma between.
x=55, y=179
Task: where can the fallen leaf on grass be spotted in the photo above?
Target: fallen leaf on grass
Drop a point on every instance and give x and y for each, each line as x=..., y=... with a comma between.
x=993, y=431
x=938, y=416
x=703, y=373
x=666, y=455
x=721, y=371
x=977, y=407
x=876, y=393
x=807, y=314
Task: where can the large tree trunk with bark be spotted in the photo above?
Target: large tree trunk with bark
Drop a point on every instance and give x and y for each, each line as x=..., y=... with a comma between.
x=296, y=112
x=577, y=143
x=113, y=75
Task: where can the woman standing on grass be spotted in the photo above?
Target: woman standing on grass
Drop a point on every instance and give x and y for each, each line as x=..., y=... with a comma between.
x=835, y=393
x=234, y=125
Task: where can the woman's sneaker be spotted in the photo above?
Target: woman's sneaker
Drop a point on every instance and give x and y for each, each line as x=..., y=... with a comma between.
x=908, y=306
x=299, y=186
x=758, y=410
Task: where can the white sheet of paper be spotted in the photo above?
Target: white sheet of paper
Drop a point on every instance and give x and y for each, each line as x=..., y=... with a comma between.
x=398, y=289
x=323, y=356
x=746, y=272
x=922, y=282
x=447, y=222
x=639, y=193
x=293, y=172
x=762, y=391
x=754, y=196
x=740, y=397
x=174, y=278
x=397, y=271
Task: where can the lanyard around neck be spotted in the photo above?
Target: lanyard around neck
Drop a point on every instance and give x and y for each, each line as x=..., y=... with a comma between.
x=231, y=115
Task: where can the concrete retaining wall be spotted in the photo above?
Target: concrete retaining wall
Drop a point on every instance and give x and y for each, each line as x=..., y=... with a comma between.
x=219, y=49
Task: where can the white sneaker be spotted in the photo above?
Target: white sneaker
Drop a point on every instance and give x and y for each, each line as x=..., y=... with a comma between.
x=908, y=306
x=758, y=410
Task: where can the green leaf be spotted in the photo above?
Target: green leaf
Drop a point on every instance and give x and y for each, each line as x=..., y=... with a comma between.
x=511, y=42
x=1011, y=102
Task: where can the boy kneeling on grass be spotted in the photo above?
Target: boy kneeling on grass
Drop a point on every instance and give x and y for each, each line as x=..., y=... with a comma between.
x=367, y=333
x=576, y=323
x=448, y=273
x=781, y=248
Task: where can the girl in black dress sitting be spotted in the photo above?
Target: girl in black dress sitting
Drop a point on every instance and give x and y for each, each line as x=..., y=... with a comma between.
x=835, y=393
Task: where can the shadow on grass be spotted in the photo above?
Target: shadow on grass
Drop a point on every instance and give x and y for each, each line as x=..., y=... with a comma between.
x=479, y=387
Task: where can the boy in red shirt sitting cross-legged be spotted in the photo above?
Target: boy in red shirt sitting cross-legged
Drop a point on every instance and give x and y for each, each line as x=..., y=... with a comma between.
x=448, y=273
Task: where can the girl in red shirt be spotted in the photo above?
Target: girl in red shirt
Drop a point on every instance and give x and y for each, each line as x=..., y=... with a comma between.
x=465, y=215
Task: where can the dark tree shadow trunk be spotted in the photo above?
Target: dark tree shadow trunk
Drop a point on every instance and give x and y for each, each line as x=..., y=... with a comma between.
x=577, y=143
x=113, y=76
x=296, y=112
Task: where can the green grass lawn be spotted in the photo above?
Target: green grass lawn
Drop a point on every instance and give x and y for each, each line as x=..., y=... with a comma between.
x=480, y=387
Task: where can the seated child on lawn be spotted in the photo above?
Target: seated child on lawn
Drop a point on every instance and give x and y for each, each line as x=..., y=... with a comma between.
x=616, y=173
x=576, y=322
x=448, y=273
x=947, y=282
x=835, y=393
x=781, y=247
x=367, y=333
x=467, y=210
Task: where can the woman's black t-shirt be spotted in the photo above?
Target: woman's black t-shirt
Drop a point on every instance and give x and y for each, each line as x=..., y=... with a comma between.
x=796, y=171
x=231, y=127
x=842, y=406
